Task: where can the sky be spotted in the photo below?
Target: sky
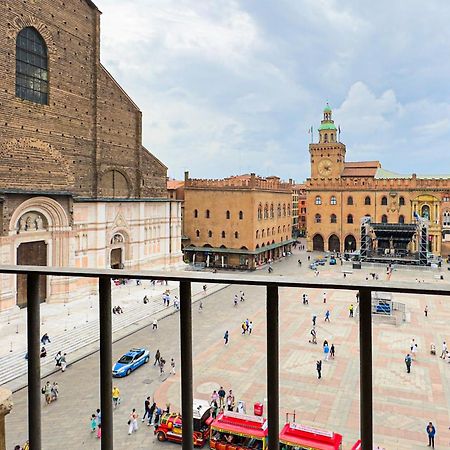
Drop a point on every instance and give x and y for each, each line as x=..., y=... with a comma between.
x=229, y=87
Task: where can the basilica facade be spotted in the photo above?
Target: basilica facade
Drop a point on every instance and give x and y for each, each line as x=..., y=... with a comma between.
x=77, y=187
x=340, y=193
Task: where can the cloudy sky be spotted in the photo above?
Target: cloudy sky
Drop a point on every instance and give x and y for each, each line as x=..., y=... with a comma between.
x=229, y=86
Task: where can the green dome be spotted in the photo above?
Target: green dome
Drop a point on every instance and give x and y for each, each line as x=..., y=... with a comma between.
x=327, y=126
x=327, y=108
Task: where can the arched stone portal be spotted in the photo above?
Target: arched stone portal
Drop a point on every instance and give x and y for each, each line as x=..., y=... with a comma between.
x=350, y=243
x=334, y=244
x=318, y=243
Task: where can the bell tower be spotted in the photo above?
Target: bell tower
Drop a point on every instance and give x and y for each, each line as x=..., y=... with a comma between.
x=328, y=155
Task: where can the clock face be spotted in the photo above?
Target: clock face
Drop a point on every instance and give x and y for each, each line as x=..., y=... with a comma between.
x=325, y=166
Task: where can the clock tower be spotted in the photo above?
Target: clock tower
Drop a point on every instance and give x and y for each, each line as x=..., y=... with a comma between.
x=328, y=155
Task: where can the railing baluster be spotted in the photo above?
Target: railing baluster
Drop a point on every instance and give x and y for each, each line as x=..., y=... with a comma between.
x=187, y=399
x=273, y=377
x=365, y=368
x=34, y=361
x=105, y=317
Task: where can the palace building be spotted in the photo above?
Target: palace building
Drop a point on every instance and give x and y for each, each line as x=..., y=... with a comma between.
x=237, y=222
x=77, y=187
x=341, y=193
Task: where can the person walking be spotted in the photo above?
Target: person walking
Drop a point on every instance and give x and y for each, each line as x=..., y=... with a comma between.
x=132, y=421
x=172, y=366
x=444, y=350
x=45, y=339
x=230, y=401
x=222, y=394
x=116, y=396
x=431, y=432
x=250, y=327
x=98, y=417
x=162, y=362
x=350, y=310
x=200, y=306
x=47, y=391
x=214, y=409
x=204, y=289
x=408, y=362
x=425, y=311
x=226, y=337
x=244, y=327
x=324, y=297
x=326, y=352
x=99, y=431
x=332, y=351
x=151, y=412
x=327, y=315
x=93, y=423
x=319, y=369
x=214, y=396
x=58, y=357
x=235, y=300
x=414, y=352
x=314, y=318
x=63, y=362
x=157, y=357
x=54, y=391
x=155, y=324
x=146, y=409
x=313, y=339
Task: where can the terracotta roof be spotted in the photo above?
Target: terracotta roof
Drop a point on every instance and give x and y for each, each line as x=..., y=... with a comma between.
x=174, y=184
x=361, y=168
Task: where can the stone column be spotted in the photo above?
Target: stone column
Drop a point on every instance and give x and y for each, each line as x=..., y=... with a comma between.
x=5, y=408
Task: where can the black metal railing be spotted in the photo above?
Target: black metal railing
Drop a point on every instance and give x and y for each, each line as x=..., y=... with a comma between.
x=272, y=284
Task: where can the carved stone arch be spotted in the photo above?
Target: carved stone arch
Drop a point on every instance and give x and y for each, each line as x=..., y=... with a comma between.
x=53, y=212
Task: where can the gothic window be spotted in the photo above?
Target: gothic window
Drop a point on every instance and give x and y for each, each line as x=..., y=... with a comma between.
x=325, y=138
x=384, y=218
x=271, y=211
x=332, y=137
x=367, y=200
x=236, y=235
x=317, y=218
x=207, y=214
x=273, y=231
x=197, y=233
x=318, y=200
x=257, y=234
x=401, y=201
x=279, y=210
x=260, y=212
x=350, y=200
x=279, y=229
x=209, y=233
x=333, y=200
x=31, y=66
x=228, y=214
x=288, y=210
x=349, y=218
x=284, y=210
x=384, y=200
x=333, y=218
x=223, y=234
x=195, y=213
x=262, y=233
x=266, y=211
x=401, y=219
x=446, y=221
x=241, y=215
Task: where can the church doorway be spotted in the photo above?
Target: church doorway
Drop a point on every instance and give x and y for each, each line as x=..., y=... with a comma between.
x=318, y=243
x=31, y=254
x=350, y=243
x=116, y=258
x=334, y=244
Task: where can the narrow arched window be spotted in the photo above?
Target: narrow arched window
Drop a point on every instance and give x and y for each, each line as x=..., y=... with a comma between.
x=31, y=66
x=317, y=218
x=384, y=200
x=384, y=218
x=333, y=200
x=271, y=211
x=257, y=234
x=207, y=214
x=197, y=233
x=333, y=218
x=350, y=200
x=223, y=234
x=241, y=215
x=401, y=201
x=228, y=214
x=349, y=218
x=401, y=219
x=195, y=213
x=209, y=233
x=367, y=200
x=236, y=235
x=318, y=200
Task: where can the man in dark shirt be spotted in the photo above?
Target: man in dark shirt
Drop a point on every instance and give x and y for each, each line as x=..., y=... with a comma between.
x=222, y=394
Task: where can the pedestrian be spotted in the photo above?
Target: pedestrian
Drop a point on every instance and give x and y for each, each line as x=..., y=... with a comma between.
x=242, y=296
x=93, y=423
x=98, y=417
x=176, y=303
x=230, y=401
x=145, y=299
x=326, y=352
x=116, y=396
x=58, y=359
x=408, y=361
x=132, y=422
x=157, y=416
x=431, y=431
x=444, y=350
x=43, y=353
x=162, y=362
x=225, y=337
x=425, y=311
x=157, y=357
x=63, y=362
x=332, y=351
x=250, y=327
x=327, y=315
x=313, y=336
x=214, y=396
x=314, y=318
x=45, y=339
x=200, y=306
x=222, y=394
x=414, y=352
x=235, y=299
x=155, y=324
x=204, y=289
x=319, y=369
x=47, y=392
x=99, y=431
x=357, y=297
x=411, y=345
x=168, y=300
x=244, y=327
x=214, y=409
x=324, y=297
x=350, y=310
x=172, y=365
x=146, y=409
x=151, y=412
x=54, y=391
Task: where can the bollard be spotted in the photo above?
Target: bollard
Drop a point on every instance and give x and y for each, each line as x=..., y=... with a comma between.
x=10, y=348
x=17, y=329
x=9, y=320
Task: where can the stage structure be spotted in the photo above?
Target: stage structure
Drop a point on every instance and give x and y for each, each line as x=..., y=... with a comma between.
x=394, y=243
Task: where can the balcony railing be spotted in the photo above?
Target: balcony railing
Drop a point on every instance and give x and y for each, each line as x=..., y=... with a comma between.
x=272, y=284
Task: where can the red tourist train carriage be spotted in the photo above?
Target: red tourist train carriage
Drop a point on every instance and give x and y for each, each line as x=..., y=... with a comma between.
x=296, y=436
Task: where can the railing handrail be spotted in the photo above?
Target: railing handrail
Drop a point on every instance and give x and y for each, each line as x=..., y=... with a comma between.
x=245, y=279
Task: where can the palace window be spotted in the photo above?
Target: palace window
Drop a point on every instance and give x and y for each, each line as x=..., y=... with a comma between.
x=401, y=201
x=31, y=66
x=384, y=218
x=228, y=215
x=257, y=234
x=367, y=200
x=317, y=218
x=333, y=200
x=197, y=233
x=446, y=221
x=349, y=218
x=384, y=200
x=266, y=211
x=401, y=219
x=318, y=200
x=223, y=234
x=288, y=210
x=284, y=210
x=241, y=215
x=333, y=218
x=209, y=233
x=350, y=200
x=260, y=212
x=195, y=213
x=271, y=211
x=207, y=215
x=236, y=235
